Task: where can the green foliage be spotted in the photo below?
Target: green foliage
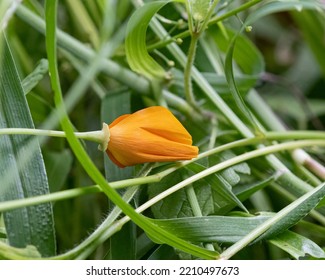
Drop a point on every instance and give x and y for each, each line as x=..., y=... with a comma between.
x=135, y=42
x=22, y=169
x=247, y=72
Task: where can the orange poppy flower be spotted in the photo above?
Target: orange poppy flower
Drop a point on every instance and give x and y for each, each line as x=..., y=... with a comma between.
x=149, y=135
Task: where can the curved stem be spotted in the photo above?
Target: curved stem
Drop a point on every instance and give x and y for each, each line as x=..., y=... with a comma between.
x=233, y=161
x=9, y=205
x=115, y=226
x=216, y=168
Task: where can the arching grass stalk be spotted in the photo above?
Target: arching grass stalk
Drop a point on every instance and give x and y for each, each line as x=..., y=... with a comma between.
x=112, y=227
x=236, y=247
x=10, y=205
x=159, y=233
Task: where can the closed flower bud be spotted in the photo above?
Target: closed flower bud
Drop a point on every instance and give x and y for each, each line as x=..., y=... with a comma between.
x=149, y=135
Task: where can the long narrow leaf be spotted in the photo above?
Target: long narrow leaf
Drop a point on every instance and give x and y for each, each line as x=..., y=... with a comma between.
x=294, y=212
x=159, y=235
x=33, y=225
x=135, y=43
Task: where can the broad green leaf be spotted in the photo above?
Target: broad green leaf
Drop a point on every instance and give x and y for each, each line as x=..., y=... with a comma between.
x=32, y=225
x=221, y=192
x=135, y=42
x=58, y=165
x=297, y=245
x=173, y=206
x=249, y=61
x=220, y=84
x=211, y=228
x=230, y=174
x=144, y=246
x=231, y=229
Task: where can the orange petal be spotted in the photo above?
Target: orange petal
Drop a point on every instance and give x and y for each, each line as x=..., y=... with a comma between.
x=120, y=118
x=149, y=135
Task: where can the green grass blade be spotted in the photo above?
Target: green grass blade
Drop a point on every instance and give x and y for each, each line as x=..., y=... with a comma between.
x=229, y=72
x=135, y=43
x=211, y=228
x=297, y=245
x=33, y=225
x=294, y=212
x=282, y=6
x=158, y=234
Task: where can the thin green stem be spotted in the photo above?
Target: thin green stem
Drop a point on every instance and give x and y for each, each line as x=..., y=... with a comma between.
x=52, y=197
x=190, y=19
x=187, y=71
x=110, y=227
x=106, y=229
x=9, y=205
x=214, y=20
x=195, y=32
x=219, y=167
x=233, y=12
x=96, y=136
x=101, y=234
x=233, y=161
x=195, y=206
x=208, y=16
x=86, y=162
x=191, y=196
x=232, y=250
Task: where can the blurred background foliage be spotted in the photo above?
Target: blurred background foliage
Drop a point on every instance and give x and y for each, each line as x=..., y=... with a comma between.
x=293, y=84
